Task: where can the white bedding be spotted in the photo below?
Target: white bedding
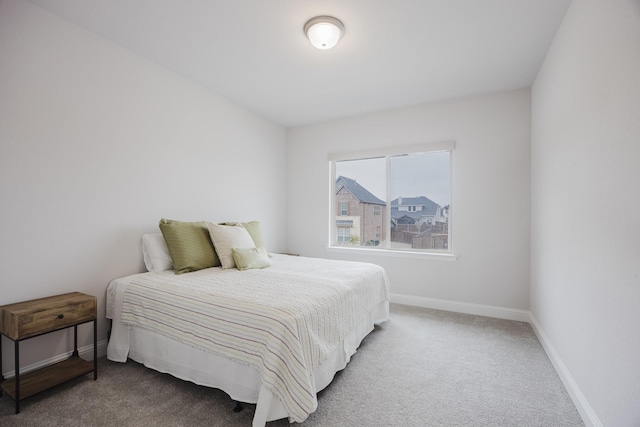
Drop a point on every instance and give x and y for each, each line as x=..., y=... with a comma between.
x=364, y=289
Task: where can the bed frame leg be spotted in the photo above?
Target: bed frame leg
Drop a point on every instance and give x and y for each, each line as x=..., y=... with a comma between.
x=262, y=407
x=238, y=406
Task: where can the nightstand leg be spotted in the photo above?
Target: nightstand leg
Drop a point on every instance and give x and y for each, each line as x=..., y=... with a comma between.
x=16, y=346
x=1, y=375
x=95, y=349
x=75, y=340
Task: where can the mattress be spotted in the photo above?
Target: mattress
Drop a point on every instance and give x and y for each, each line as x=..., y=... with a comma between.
x=245, y=380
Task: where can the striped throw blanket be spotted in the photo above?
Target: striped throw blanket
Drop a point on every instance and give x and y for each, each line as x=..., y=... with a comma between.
x=284, y=320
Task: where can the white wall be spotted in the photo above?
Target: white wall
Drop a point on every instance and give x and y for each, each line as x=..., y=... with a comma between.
x=490, y=203
x=585, y=281
x=96, y=146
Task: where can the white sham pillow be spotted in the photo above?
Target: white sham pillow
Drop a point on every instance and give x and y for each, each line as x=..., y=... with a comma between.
x=226, y=237
x=156, y=253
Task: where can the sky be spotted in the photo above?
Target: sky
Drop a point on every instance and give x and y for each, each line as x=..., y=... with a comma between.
x=423, y=174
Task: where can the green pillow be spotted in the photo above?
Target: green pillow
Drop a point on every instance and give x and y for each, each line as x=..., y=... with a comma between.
x=253, y=227
x=189, y=245
x=248, y=258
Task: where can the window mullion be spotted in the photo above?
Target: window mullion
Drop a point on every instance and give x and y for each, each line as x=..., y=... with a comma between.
x=333, y=232
x=387, y=240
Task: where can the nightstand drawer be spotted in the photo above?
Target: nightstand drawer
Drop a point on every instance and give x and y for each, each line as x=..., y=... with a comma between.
x=23, y=320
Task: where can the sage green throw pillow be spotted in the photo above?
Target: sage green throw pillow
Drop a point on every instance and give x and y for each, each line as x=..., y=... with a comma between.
x=249, y=258
x=189, y=245
x=253, y=227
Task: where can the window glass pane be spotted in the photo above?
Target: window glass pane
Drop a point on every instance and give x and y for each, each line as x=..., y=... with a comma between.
x=415, y=215
x=420, y=186
x=362, y=186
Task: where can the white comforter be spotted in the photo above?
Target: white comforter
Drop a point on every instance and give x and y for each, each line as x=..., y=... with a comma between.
x=283, y=320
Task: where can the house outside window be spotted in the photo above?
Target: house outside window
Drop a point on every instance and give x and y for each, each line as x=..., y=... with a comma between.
x=344, y=209
x=399, y=198
x=362, y=206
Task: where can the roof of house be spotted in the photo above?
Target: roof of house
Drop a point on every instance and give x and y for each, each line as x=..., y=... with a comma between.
x=359, y=192
x=430, y=208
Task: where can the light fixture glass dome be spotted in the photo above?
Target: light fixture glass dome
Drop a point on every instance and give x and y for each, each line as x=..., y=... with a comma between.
x=324, y=31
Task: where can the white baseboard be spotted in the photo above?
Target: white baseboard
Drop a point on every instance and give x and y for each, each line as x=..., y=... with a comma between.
x=463, y=307
x=85, y=352
x=579, y=400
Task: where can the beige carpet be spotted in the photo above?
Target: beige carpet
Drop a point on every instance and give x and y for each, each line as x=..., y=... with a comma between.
x=421, y=368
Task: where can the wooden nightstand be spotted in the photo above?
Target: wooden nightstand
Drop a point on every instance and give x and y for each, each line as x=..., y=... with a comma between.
x=29, y=319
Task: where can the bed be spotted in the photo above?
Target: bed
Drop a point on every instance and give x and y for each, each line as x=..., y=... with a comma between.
x=272, y=336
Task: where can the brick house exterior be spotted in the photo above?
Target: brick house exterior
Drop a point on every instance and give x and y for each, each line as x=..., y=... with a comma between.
x=360, y=216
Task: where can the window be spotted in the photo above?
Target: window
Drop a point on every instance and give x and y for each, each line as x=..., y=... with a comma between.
x=400, y=198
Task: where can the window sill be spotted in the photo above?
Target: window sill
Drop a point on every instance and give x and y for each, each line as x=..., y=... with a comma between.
x=394, y=253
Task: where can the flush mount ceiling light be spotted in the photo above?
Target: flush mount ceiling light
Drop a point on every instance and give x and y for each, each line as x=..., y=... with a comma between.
x=324, y=31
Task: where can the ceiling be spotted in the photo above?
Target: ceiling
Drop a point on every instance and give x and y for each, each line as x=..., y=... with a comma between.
x=394, y=53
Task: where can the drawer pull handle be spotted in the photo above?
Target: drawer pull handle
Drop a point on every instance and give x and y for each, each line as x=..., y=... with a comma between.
x=60, y=316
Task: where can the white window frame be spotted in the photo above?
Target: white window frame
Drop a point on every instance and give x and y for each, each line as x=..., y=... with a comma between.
x=432, y=147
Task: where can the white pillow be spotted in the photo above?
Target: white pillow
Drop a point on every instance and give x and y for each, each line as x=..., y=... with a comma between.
x=227, y=237
x=156, y=253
